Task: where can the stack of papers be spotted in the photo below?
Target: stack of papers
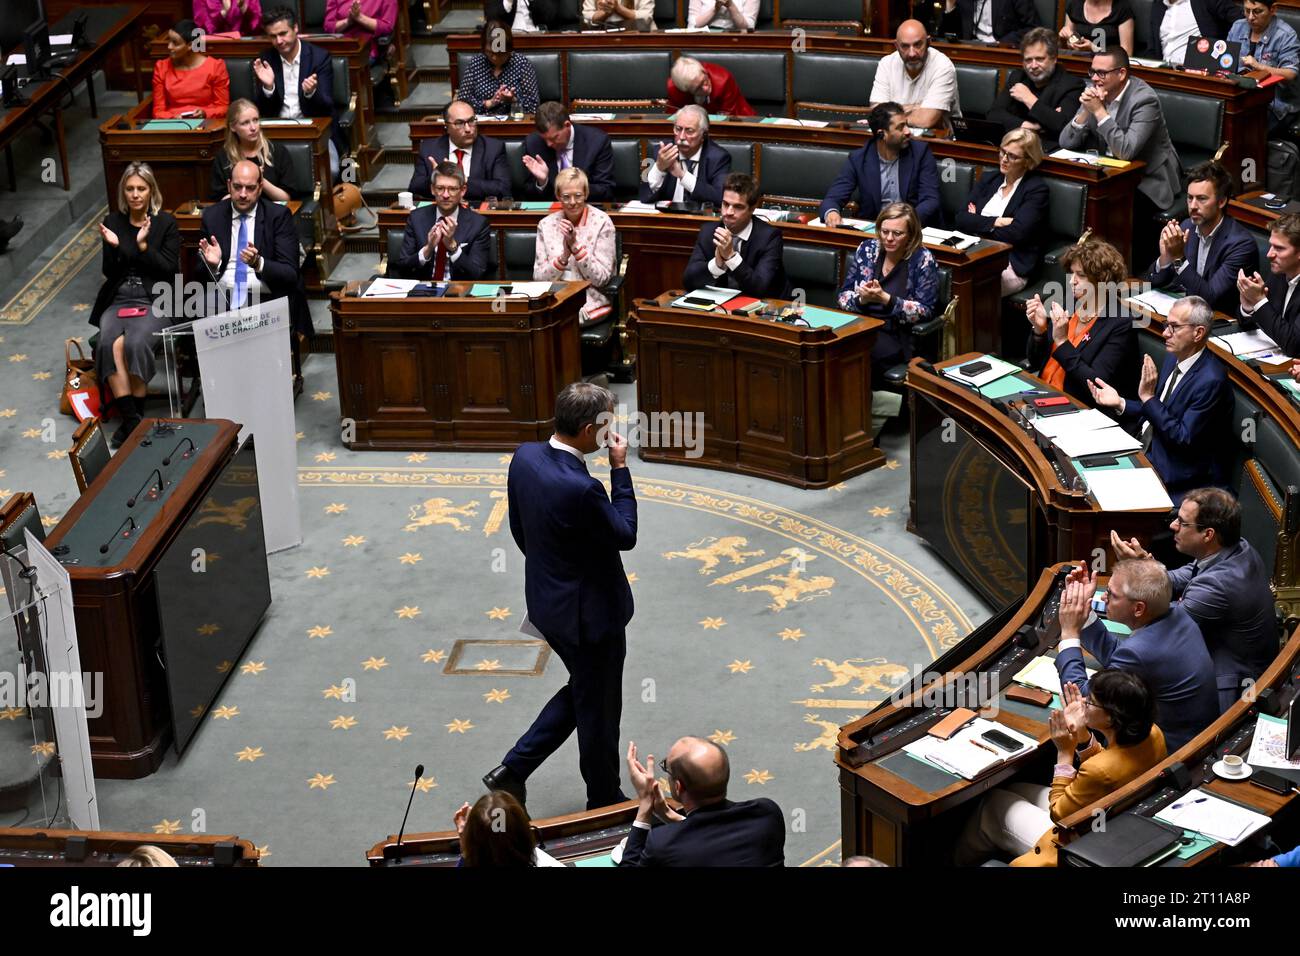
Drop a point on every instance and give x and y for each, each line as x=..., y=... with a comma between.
x=1097, y=441
x=1041, y=672
x=1083, y=420
x=704, y=299
x=1128, y=489
x=937, y=237
x=787, y=121
x=390, y=288
x=1203, y=812
x=999, y=368
x=965, y=753
x=276, y=121
x=1268, y=746
x=592, y=117
x=846, y=223
x=1089, y=158
x=1156, y=301
x=1252, y=345
x=638, y=207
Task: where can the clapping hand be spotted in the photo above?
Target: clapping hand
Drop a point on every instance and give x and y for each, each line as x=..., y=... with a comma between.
x=1075, y=710
x=249, y=254
x=462, y=815
x=109, y=235
x=1173, y=241
x=568, y=234
x=642, y=777
x=1060, y=324
x=1251, y=288
x=1129, y=549
x=870, y=291
x=1104, y=395
x=1036, y=313
x=1064, y=738
x=354, y=11
x=262, y=70
x=723, y=244
x=667, y=158
x=1147, y=380
x=1076, y=602
x=537, y=167
x=211, y=251
x=142, y=237
x=309, y=85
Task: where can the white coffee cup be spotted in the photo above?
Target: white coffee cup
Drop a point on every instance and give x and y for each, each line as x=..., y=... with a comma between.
x=406, y=200
x=1233, y=765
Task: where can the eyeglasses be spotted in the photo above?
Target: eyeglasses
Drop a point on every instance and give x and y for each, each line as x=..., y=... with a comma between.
x=572, y=197
x=1096, y=72
x=1175, y=326
x=1184, y=524
x=1112, y=595
x=894, y=233
x=1011, y=157
x=686, y=130
x=462, y=123
x=663, y=765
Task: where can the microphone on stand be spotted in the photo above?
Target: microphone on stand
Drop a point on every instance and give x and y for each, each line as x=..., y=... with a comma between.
x=394, y=852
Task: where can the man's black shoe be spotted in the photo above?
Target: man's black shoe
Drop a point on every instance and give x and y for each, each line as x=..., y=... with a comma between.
x=503, y=778
x=9, y=229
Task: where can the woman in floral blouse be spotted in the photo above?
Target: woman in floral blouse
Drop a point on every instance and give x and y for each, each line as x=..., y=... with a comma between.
x=893, y=278
x=577, y=243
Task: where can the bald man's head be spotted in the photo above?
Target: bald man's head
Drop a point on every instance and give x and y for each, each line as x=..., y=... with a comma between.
x=912, y=43
x=245, y=185
x=701, y=768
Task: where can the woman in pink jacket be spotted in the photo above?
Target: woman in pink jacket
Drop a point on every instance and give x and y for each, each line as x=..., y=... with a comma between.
x=577, y=243
x=229, y=16
x=362, y=18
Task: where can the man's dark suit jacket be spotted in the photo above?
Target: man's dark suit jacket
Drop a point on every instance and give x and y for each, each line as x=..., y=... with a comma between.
x=1191, y=435
x=1110, y=353
x=1282, y=329
x=1010, y=20
x=1170, y=655
x=571, y=534
x=545, y=13
x=593, y=153
x=313, y=61
x=1233, y=249
x=918, y=183
x=472, y=232
x=488, y=173
x=1213, y=19
x=1231, y=602
x=750, y=833
x=762, y=269
x=1028, y=207
x=276, y=239
x=710, y=174
x=1058, y=102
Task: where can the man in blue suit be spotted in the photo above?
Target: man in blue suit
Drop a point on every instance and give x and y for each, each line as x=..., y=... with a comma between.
x=1224, y=588
x=891, y=168
x=1203, y=255
x=575, y=587
x=743, y=252
x=310, y=91
x=713, y=831
x=690, y=169
x=1165, y=647
x=445, y=241
x=482, y=158
x=1185, y=409
x=1271, y=304
x=558, y=144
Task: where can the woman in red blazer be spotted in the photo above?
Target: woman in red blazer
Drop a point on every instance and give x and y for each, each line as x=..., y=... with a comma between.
x=188, y=84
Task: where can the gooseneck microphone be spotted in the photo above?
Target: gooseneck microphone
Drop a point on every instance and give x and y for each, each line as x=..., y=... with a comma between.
x=130, y=502
x=396, y=855
x=168, y=460
x=103, y=548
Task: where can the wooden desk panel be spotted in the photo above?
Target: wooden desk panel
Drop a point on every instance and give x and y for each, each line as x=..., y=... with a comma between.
x=46, y=847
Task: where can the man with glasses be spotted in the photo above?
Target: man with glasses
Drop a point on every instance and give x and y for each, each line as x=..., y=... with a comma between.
x=1183, y=411
x=482, y=158
x=445, y=241
x=711, y=830
x=691, y=168
x=1271, y=304
x=1224, y=588
x=1122, y=116
x=891, y=168
x=1268, y=43
x=1040, y=96
x=1165, y=648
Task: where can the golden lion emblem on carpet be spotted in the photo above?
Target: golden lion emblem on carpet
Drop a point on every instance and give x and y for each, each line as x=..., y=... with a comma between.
x=876, y=673
x=441, y=511
x=235, y=514
x=709, y=551
x=791, y=588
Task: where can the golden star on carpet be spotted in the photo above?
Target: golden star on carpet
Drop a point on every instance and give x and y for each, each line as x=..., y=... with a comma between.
x=417, y=458
x=334, y=690
x=840, y=487
x=224, y=666
x=892, y=464
x=322, y=396
x=498, y=613
x=253, y=667
x=411, y=557
x=722, y=737
x=407, y=612
x=497, y=696
x=5, y=493
x=374, y=663
x=225, y=713
x=264, y=851
x=432, y=656
x=792, y=634
x=713, y=623
x=250, y=754
x=196, y=711
x=354, y=540
x=81, y=307
x=336, y=508
x=57, y=455
x=41, y=376
x=740, y=667
x=486, y=665
x=206, y=629
x=326, y=456
x=49, y=521
x=757, y=776
x=881, y=512
x=299, y=436
x=424, y=784
x=458, y=726
x=343, y=723
x=43, y=749
x=167, y=826
x=320, y=630
x=631, y=577
x=397, y=733
x=317, y=572
x=8, y=412
x=504, y=459
x=600, y=461
x=18, y=357
x=32, y=433
x=12, y=713
x=321, y=780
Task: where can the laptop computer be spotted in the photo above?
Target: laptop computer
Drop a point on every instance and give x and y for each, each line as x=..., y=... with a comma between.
x=972, y=130
x=1215, y=57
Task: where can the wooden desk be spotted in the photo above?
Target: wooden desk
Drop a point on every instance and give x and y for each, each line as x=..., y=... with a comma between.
x=1249, y=209
x=454, y=374
x=992, y=500
x=779, y=402
x=43, y=847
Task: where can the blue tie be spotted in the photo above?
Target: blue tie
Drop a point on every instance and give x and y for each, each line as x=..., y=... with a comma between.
x=241, y=267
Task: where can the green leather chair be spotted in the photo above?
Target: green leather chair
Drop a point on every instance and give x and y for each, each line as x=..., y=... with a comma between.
x=742, y=155
x=977, y=88
x=798, y=173
x=1065, y=223
x=639, y=76
x=312, y=16
x=627, y=169
x=1195, y=125
x=956, y=180
x=1141, y=25
x=1049, y=14
x=831, y=86
x=817, y=270
x=240, y=70
x=515, y=160
x=759, y=73
x=668, y=13
x=825, y=16
x=766, y=19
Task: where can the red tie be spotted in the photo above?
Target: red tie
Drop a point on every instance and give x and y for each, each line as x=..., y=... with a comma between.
x=440, y=263
x=460, y=160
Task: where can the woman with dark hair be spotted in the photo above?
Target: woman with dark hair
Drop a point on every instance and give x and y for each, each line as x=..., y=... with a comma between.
x=188, y=84
x=499, y=80
x=245, y=140
x=496, y=831
x=1019, y=819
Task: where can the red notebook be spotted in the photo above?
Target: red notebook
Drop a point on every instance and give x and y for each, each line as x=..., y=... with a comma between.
x=743, y=303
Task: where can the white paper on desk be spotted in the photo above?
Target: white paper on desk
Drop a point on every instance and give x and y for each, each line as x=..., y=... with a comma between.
x=390, y=288
x=60, y=39
x=999, y=369
x=530, y=289
x=959, y=753
x=1041, y=672
x=493, y=117
x=1099, y=441
x=1076, y=156
x=1147, y=61
x=638, y=207
x=16, y=59
x=937, y=236
x=592, y=117
x=277, y=121
x=846, y=223
x=687, y=30
x=1249, y=344
x=1268, y=746
x=790, y=121
x=1215, y=818
x=1156, y=301
x=1084, y=420
x=1128, y=489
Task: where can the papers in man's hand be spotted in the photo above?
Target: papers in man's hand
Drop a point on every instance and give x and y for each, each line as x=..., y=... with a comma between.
x=1041, y=672
x=938, y=237
x=996, y=371
x=1268, y=746
x=864, y=225
x=964, y=753
x=1128, y=489
x=1213, y=817
x=1252, y=345
x=1098, y=441
x=1084, y=420
x=1158, y=302
x=390, y=288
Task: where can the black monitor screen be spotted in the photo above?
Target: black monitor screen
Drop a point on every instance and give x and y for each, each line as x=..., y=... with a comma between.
x=15, y=17
x=36, y=44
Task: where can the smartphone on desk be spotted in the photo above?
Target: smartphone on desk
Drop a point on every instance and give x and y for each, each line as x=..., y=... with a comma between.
x=1000, y=740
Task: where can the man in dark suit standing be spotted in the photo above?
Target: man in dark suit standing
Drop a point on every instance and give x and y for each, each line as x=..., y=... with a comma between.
x=1203, y=255
x=445, y=241
x=692, y=168
x=988, y=21
x=482, y=158
x=309, y=90
x=714, y=831
x=742, y=253
x=891, y=168
x=1224, y=588
x=1165, y=647
x=577, y=593
x=1184, y=409
x=1040, y=96
x=558, y=144
x=1271, y=304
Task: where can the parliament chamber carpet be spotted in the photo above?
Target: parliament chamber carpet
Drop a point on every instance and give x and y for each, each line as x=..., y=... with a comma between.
x=766, y=618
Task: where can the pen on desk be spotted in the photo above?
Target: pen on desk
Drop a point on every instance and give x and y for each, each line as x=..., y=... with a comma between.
x=1188, y=803
x=983, y=747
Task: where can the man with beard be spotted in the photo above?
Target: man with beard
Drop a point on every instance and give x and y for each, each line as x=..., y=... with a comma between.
x=922, y=79
x=1039, y=96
